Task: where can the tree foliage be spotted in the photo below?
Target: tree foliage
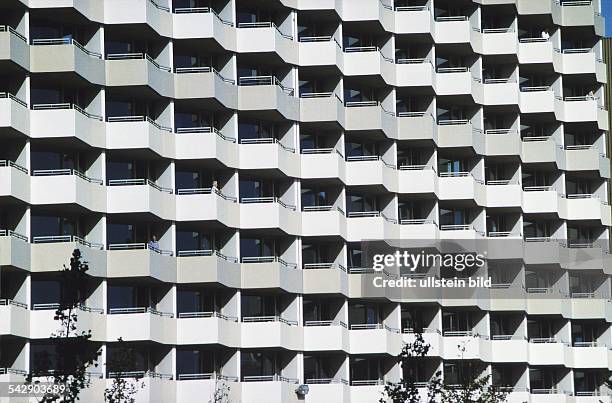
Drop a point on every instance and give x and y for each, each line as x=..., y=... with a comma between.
x=73, y=354
x=405, y=390
x=125, y=384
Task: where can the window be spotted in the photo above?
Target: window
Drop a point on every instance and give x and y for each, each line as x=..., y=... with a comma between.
x=258, y=305
x=257, y=247
x=192, y=361
x=195, y=301
x=257, y=363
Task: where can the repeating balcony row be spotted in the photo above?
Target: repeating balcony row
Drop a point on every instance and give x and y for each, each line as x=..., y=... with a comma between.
x=48, y=254
x=139, y=132
x=67, y=55
x=211, y=204
x=203, y=22
x=142, y=324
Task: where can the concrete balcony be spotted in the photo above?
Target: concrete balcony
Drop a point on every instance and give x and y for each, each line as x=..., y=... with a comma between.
x=574, y=13
x=496, y=91
x=584, y=207
x=374, y=339
x=587, y=355
x=335, y=391
x=139, y=69
x=14, y=47
x=207, y=328
x=538, y=149
x=150, y=12
x=77, y=188
x=14, y=318
x=42, y=325
x=140, y=324
x=203, y=22
x=580, y=109
x=14, y=115
x=505, y=349
x=205, y=82
x=270, y=272
x=416, y=179
x=418, y=229
x=205, y=143
x=51, y=253
x=14, y=250
x=269, y=212
x=66, y=55
x=136, y=260
x=322, y=163
x=585, y=158
x=319, y=51
x=14, y=181
x=540, y=199
x=207, y=267
x=268, y=153
x=270, y=331
x=432, y=337
x=362, y=61
x=206, y=205
x=139, y=132
x=363, y=115
x=365, y=225
x=494, y=41
x=535, y=51
x=322, y=107
x=452, y=29
x=326, y=336
x=266, y=37
x=415, y=126
x=364, y=170
x=323, y=221
x=502, y=193
x=455, y=186
x=271, y=390
x=139, y=196
x=454, y=133
x=460, y=345
x=536, y=100
x=575, y=61
x=546, y=352
x=267, y=93
x=497, y=142
x=67, y=120
x=325, y=278
x=453, y=81
x=412, y=20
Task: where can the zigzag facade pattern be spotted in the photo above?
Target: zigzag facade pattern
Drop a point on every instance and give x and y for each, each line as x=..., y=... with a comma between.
x=219, y=162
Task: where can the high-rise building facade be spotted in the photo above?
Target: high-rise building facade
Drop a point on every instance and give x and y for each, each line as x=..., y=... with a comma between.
x=219, y=162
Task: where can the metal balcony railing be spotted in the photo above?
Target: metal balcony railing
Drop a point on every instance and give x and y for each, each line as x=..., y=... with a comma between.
x=366, y=326
x=187, y=377
x=362, y=214
x=138, y=56
x=538, y=188
x=316, y=94
x=328, y=38
x=195, y=252
x=133, y=310
x=372, y=382
x=264, y=24
x=538, y=88
x=9, y=302
x=458, y=333
x=455, y=227
x=449, y=122
x=360, y=104
x=45, y=306
x=11, y=233
x=6, y=95
x=65, y=238
x=68, y=171
x=411, y=8
x=533, y=40
x=138, y=182
x=66, y=41
x=452, y=18
x=445, y=70
x=9, y=29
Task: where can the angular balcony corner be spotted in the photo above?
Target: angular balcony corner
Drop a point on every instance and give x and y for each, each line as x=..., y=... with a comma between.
x=14, y=180
x=497, y=141
x=202, y=22
x=205, y=82
x=139, y=132
x=150, y=261
x=319, y=51
x=454, y=133
x=140, y=195
x=270, y=272
x=66, y=55
x=67, y=119
x=268, y=212
x=14, y=249
x=14, y=46
x=152, y=324
x=452, y=29
x=535, y=50
x=205, y=142
x=321, y=106
x=264, y=36
x=78, y=188
x=14, y=116
x=138, y=69
x=536, y=99
x=51, y=252
x=494, y=41
x=323, y=220
x=267, y=93
x=207, y=266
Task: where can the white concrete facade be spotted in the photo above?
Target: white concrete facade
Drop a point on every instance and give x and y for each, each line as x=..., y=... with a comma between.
x=260, y=143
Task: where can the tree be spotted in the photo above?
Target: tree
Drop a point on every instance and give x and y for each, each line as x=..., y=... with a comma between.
x=120, y=363
x=74, y=354
x=221, y=394
x=471, y=390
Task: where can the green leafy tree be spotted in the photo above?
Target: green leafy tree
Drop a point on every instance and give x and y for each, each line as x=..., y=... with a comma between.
x=125, y=383
x=469, y=391
x=74, y=354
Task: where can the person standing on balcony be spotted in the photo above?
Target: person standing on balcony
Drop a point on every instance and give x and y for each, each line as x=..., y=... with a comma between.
x=545, y=34
x=153, y=244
